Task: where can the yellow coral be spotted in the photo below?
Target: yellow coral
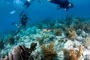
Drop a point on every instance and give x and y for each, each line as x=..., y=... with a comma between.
x=70, y=33
x=72, y=54
x=48, y=51
x=58, y=31
x=40, y=40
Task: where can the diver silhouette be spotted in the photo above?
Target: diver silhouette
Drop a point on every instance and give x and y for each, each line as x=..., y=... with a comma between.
x=25, y=5
x=62, y=4
x=22, y=23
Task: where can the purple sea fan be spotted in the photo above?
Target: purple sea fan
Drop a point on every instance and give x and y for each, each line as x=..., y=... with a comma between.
x=16, y=53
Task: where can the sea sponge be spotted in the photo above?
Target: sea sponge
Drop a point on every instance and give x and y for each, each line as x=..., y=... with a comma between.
x=16, y=53
x=58, y=31
x=72, y=54
x=33, y=46
x=87, y=42
x=26, y=52
x=49, y=52
x=70, y=33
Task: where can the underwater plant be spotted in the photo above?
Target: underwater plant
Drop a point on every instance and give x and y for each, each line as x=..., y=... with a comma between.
x=40, y=40
x=1, y=44
x=82, y=25
x=69, y=33
x=11, y=39
x=69, y=20
x=21, y=53
x=51, y=24
x=87, y=27
x=26, y=52
x=72, y=54
x=33, y=47
x=46, y=20
x=78, y=25
x=48, y=52
x=81, y=19
x=61, y=21
x=17, y=37
x=40, y=26
x=58, y=32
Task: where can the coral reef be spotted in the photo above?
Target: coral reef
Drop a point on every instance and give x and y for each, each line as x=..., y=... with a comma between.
x=21, y=53
x=69, y=33
x=87, y=27
x=40, y=40
x=69, y=20
x=46, y=20
x=51, y=24
x=58, y=32
x=72, y=54
x=49, y=52
x=11, y=39
x=78, y=25
x=26, y=52
x=39, y=26
x=82, y=25
x=87, y=42
x=46, y=30
x=17, y=37
x=1, y=44
x=33, y=46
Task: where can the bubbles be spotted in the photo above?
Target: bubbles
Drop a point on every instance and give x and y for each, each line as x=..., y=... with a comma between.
x=18, y=3
x=28, y=0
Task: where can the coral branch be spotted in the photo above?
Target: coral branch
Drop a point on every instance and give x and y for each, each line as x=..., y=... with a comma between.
x=48, y=51
x=72, y=54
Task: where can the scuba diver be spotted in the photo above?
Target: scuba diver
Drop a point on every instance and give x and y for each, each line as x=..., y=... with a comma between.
x=25, y=5
x=22, y=23
x=62, y=4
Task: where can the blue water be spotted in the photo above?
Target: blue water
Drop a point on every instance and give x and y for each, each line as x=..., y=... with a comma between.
x=38, y=12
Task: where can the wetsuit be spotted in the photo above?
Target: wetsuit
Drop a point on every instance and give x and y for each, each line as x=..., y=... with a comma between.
x=61, y=3
x=24, y=21
x=27, y=4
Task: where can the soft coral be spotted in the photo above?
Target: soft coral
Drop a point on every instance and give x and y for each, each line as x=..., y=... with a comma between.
x=72, y=54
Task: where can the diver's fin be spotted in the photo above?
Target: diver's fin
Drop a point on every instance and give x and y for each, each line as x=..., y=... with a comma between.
x=12, y=12
x=17, y=32
x=21, y=13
